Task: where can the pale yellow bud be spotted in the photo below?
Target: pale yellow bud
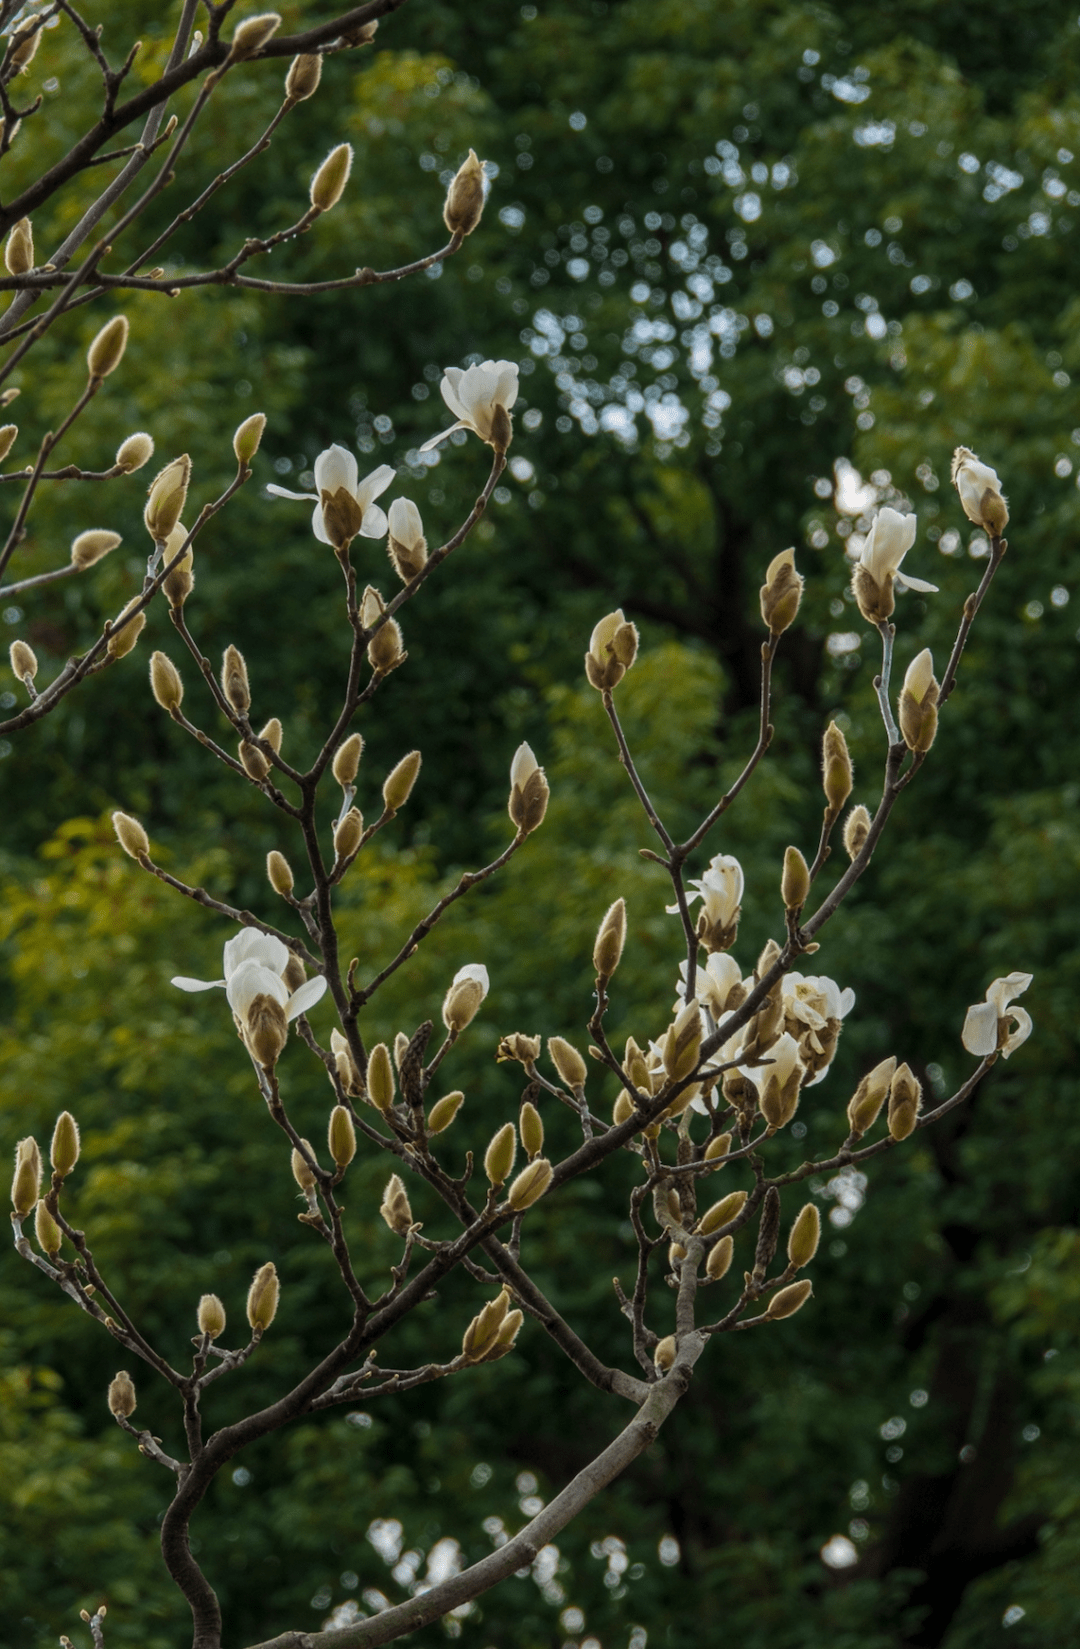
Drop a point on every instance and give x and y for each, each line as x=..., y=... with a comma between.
x=795, y=879
x=837, y=771
x=531, y=1128
x=302, y=80
x=107, y=350
x=8, y=432
x=122, y=1395
x=271, y=734
x=805, y=1236
x=664, y=1355
x=856, y=830
x=610, y=940
x=251, y=35
x=525, y=1049
x=623, y=1109
x=682, y=1042
x=25, y=42
x=483, y=1332
x=211, y=1316
x=786, y=1301
x=722, y=1212
x=165, y=501
x=347, y=759
x=165, y=682
x=398, y=787
x=262, y=1300
x=234, y=680
x=341, y=1136
x=530, y=1184
x=131, y=835
x=567, y=1061
x=718, y=1147
x=180, y=581
x=386, y=649
x=380, y=1078
x=905, y=1099
x=302, y=1171
x=507, y=1334
x=247, y=438
x=500, y=1154
x=465, y=197
x=266, y=1030
x=23, y=660
x=64, y=1151
x=870, y=1096
x=330, y=180
x=279, y=873
x=127, y=627
x=90, y=546
x=529, y=791
x=613, y=648
x=462, y=1001
x=48, y=1233
x=918, y=703
x=19, y=251
x=134, y=452
x=348, y=833
x=395, y=1208
x=718, y=1263
x=444, y=1111
x=781, y=593
x=26, y=1185
x=253, y=761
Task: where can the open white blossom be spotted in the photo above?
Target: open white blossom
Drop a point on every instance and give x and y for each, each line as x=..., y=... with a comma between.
x=255, y=964
x=351, y=502
x=714, y=982
x=720, y=890
x=813, y=1009
x=995, y=1026
x=474, y=397
x=888, y=541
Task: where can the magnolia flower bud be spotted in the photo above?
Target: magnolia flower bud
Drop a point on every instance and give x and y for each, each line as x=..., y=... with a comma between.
x=302, y=1171
x=406, y=544
x=682, y=1042
x=262, y=1300
x=612, y=650
x=781, y=593
x=271, y=733
x=444, y=1111
x=856, y=830
x=279, y=873
x=461, y=1004
x=266, y=1030
x=348, y=833
x=248, y=435
x=19, y=251
x=610, y=940
x=623, y=1108
x=905, y=1099
x=837, y=773
x=786, y=1301
x=918, y=703
x=90, y=546
x=8, y=432
x=134, y=452
x=234, y=680
x=805, y=1236
x=26, y=1185
x=131, y=835
x=531, y=1129
x=253, y=761
x=398, y=787
x=211, y=1316
x=386, y=649
x=347, y=759
x=483, y=1332
x=500, y=1154
x=636, y=1068
x=528, y=791
x=465, y=197
x=718, y=1263
x=302, y=80
x=180, y=581
x=165, y=501
x=380, y=1078
x=107, y=350
x=664, y=1355
x=530, y=1184
x=395, y=1208
x=64, y=1150
x=718, y=1147
x=330, y=180
x=341, y=1136
x=508, y=1333
x=870, y=1096
x=251, y=35
x=23, y=660
x=165, y=682
x=122, y=1395
x=980, y=492
x=567, y=1061
x=525, y=1049
x=48, y=1233
x=722, y=1212
x=24, y=44
x=126, y=630
x=795, y=880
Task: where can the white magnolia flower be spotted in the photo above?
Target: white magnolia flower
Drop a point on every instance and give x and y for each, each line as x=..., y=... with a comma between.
x=813, y=1009
x=888, y=541
x=254, y=965
x=714, y=982
x=475, y=971
x=522, y=768
x=980, y=491
x=474, y=395
x=720, y=891
x=987, y=1025
x=784, y=1059
x=405, y=522
x=337, y=479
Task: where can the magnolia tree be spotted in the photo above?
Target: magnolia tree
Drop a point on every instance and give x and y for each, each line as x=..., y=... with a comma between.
x=724, y=1243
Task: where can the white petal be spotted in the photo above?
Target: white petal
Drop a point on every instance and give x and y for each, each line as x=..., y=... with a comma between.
x=317, y=525
x=1002, y=991
x=473, y=970
x=450, y=389
x=250, y=980
x=374, y=485
x=404, y=521
x=305, y=996
x=283, y=492
x=374, y=524
x=847, y=1002
x=336, y=468
x=979, y=1035
x=429, y=446
x=523, y=766
x=249, y=945
x=904, y=581
x=1020, y=1032
x=506, y=385
x=183, y=984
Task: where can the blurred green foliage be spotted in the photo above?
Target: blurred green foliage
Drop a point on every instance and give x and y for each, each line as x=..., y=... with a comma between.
x=729, y=246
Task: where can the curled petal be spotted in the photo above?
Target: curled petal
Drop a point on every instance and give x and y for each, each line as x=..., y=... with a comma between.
x=283, y=492
x=1021, y=1030
x=183, y=984
x=429, y=446
x=250, y=945
x=1002, y=991
x=374, y=524
x=250, y=980
x=306, y=996
x=904, y=581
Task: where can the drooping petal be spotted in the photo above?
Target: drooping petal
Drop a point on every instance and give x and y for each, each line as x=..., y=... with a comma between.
x=904, y=581
x=374, y=485
x=250, y=945
x=334, y=468
x=980, y=1033
x=1021, y=1023
x=305, y=996
x=374, y=524
x=429, y=446
x=183, y=984
x=283, y=492
x=450, y=389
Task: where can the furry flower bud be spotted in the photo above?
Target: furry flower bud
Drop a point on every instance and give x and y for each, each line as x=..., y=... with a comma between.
x=795, y=880
x=302, y=80
x=905, y=1099
x=500, y=1154
x=567, y=1061
x=19, y=250
x=122, y=1397
x=302, y=1171
x=980, y=492
x=380, y=1078
x=682, y=1042
x=395, y=1208
x=870, y=1096
x=805, y=1236
x=528, y=791
x=664, y=1355
x=253, y=761
x=837, y=772
x=107, y=350
x=126, y=629
x=348, y=833
x=610, y=940
x=720, y=1257
x=406, y=544
x=180, y=580
x=718, y=1147
x=26, y=1185
x=613, y=648
x=530, y=1184
x=134, y=452
x=468, y=989
x=918, y=703
x=48, y=1233
x=398, y=787
x=856, y=830
x=247, y=438
x=8, y=432
x=722, y=1212
x=386, y=649
x=211, y=1316
x=64, y=1150
x=272, y=734
x=341, y=1136
x=786, y=1301
x=89, y=547
x=781, y=593
x=531, y=1129
x=131, y=835
x=23, y=660
x=444, y=1111
x=251, y=35
x=166, y=498
x=329, y=181
x=483, y=1332
x=347, y=759
x=165, y=682
x=263, y=1295
x=279, y=872
x=266, y=1030
x=234, y=680
x=465, y=197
